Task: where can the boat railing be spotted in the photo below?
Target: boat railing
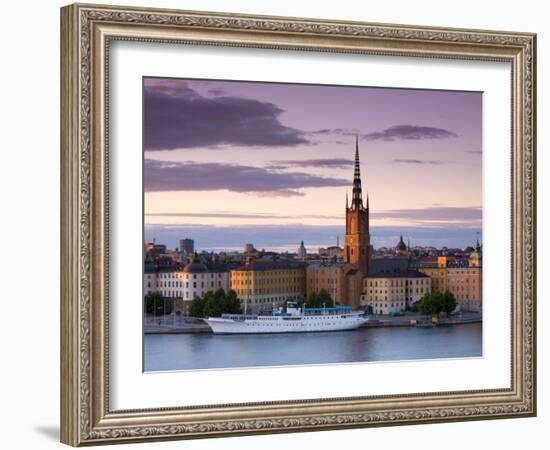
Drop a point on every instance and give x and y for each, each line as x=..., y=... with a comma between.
x=241, y=317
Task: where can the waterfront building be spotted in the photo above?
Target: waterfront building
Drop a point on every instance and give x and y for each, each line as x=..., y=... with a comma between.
x=183, y=283
x=436, y=269
x=462, y=277
x=388, y=264
x=465, y=285
x=356, y=239
x=249, y=248
x=327, y=276
x=394, y=292
x=262, y=284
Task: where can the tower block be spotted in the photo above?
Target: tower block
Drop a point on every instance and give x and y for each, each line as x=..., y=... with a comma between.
x=357, y=238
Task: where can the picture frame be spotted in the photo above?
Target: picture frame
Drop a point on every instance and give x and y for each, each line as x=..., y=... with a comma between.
x=87, y=31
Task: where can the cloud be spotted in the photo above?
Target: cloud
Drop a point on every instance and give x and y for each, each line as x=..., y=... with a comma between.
x=241, y=215
x=275, y=237
x=335, y=131
x=395, y=133
x=417, y=161
x=326, y=162
x=176, y=116
x=442, y=215
x=409, y=132
x=216, y=91
x=192, y=176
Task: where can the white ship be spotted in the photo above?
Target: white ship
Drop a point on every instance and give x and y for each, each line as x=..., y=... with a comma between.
x=294, y=320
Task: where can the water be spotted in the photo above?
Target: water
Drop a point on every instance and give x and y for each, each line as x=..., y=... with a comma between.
x=209, y=351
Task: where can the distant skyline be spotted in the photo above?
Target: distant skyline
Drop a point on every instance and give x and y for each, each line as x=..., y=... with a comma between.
x=248, y=156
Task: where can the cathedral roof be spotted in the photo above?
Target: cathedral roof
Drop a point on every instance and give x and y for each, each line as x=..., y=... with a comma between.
x=401, y=244
x=195, y=266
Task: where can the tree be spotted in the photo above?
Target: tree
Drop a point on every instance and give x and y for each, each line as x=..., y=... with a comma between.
x=317, y=300
x=429, y=304
x=214, y=304
x=153, y=303
x=448, y=302
x=324, y=298
x=196, y=308
x=436, y=302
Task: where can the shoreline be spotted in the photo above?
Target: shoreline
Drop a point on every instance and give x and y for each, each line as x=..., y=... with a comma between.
x=195, y=327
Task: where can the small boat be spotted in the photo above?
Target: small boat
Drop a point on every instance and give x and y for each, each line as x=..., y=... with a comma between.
x=294, y=320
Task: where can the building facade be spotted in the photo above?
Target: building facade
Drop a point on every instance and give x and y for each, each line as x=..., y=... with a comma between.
x=263, y=285
x=183, y=283
x=390, y=293
x=465, y=285
x=357, y=237
x=462, y=278
x=329, y=277
x=437, y=271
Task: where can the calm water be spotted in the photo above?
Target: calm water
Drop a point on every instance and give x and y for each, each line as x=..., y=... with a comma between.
x=208, y=351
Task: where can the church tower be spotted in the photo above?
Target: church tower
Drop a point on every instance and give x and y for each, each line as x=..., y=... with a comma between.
x=357, y=239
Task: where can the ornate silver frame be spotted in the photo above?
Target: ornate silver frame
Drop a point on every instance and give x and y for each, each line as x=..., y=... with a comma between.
x=86, y=31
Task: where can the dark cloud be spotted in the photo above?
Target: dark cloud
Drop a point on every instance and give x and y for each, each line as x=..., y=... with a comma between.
x=326, y=162
x=231, y=215
x=395, y=133
x=191, y=176
x=335, y=131
x=216, y=91
x=176, y=116
x=408, y=132
x=417, y=161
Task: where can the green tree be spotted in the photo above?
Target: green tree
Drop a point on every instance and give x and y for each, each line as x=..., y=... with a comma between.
x=448, y=302
x=324, y=298
x=196, y=308
x=430, y=304
x=154, y=303
x=214, y=304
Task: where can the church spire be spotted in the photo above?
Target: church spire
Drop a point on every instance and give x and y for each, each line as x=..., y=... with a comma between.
x=357, y=201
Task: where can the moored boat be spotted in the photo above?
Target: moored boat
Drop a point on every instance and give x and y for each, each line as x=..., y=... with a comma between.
x=293, y=320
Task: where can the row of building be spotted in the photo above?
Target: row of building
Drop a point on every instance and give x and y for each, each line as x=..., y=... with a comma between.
x=393, y=285
x=353, y=275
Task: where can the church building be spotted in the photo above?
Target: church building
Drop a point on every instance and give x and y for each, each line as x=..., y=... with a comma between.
x=357, y=238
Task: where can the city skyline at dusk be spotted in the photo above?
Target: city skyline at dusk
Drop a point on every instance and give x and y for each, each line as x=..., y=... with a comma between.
x=249, y=158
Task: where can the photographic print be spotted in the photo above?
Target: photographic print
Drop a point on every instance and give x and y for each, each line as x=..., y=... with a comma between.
x=293, y=224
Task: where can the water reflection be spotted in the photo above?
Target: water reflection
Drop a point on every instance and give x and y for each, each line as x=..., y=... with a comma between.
x=207, y=351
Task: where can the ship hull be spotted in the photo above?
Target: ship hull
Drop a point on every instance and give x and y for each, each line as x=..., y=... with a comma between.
x=268, y=325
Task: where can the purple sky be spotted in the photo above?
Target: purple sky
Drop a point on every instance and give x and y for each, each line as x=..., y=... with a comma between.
x=242, y=154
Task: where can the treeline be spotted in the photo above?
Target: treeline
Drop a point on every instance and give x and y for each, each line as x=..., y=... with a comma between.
x=317, y=300
x=214, y=304
x=156, y=304
x=435, y=303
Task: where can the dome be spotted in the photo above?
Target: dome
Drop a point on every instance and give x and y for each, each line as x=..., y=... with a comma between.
x=195, y=266
x=401, y=245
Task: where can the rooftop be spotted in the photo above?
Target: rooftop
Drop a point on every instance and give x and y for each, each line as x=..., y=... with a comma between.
x=399, y=274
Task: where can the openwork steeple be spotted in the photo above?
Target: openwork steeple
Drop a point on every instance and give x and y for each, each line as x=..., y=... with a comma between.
x=357, y=197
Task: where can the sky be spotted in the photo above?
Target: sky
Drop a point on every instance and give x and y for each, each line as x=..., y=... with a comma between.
x=229, y=162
